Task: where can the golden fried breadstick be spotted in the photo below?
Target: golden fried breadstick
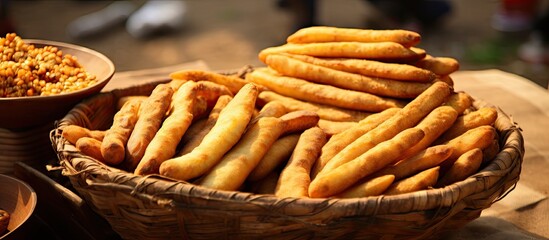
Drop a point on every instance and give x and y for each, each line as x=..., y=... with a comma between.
x=446, y=78
x=428, y=158
x=324, y=94
x=233, y=83
x=200, y=108
x=73, y=132
x=272, y=109
x=121, y=101
x=164, y=143
x=460, y=101
x=212, y=91
x=207, y=92
x=233, y=169
x=194, y=139
x=479, y=137
x=279, y=152
x=291, y=67
x=403, y=72
x=90, y=147
x=324, y=111
x=298, y=121
x=295, y=178
x=337, y=34
x=339, y=179
x=332, y=128
x=407, y=117
x=370, y=187
x=384, y=51
x=226, y=132
x=341, y=140
x=482, y=116
x=420, y=181
x=433, y=125
x=439, y=65
x=151, y=115
x=113, y=147
x=466, y=165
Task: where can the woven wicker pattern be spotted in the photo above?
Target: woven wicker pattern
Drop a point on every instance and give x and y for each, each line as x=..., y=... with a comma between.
x=154, y=207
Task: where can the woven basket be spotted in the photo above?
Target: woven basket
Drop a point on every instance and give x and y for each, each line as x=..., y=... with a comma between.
x=154, y=207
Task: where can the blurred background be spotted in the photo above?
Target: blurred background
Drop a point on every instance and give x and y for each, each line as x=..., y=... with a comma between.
x=228, y=34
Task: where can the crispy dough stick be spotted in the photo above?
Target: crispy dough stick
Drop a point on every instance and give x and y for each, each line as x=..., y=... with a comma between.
x=466, y=165
x=164, y=143
x=90, y=147
x=279, y=152
x=337, y=34
x=233, y=169
x=332, y=128
x=200, y=108
x=407, y=117
x=385, y=51
x=460, y=101
x=291, y=67
x=420, y=181
x=121, y=101
x=272, y=109
x=479, y=137
x=341, y=140
x=196, y=138
x=371, y=187
x=324, y=111
x=212, y=91
x=176, y=83
x=295, y=178
x=419, y=51
x=113, y=146
x=207, y=92
x=434, y=125
x=151, y=115
x=226, y=132
x=447, y=79
x=385, y=153
x=439, y=65
x=298, y=121
x=324, y=94
x=234, y=84
x=73, y=132
x=428, y=158
x=482, y=116
x=402, y=72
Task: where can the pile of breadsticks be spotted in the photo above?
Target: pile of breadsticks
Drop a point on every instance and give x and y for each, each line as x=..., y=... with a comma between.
x=336, y=112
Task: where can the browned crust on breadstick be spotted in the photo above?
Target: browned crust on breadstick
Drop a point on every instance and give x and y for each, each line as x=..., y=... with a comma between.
x=337, y=34
x=324, y=94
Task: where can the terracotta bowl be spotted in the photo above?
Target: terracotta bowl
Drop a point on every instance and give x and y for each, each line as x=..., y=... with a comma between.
x=19, y=200
x=30, y=112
